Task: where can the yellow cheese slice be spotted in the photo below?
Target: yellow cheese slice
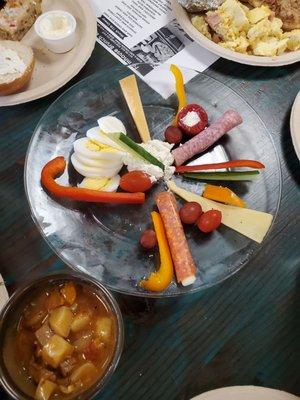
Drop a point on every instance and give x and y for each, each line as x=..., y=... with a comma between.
x=133, y=99
x=251, y=223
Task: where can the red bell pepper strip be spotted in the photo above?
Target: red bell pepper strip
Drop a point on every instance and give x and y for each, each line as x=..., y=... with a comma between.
x=227, y=164
x=54, y=168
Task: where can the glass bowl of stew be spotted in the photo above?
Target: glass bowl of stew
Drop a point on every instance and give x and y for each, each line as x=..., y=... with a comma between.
x=61, y=338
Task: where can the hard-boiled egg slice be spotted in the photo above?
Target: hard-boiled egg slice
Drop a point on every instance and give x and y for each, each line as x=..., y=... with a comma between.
x=103, y=184
x=110, y=124
x=93, y=172
x=94, y=150
x=99, y=136
x=103, y=163
x=113, y=184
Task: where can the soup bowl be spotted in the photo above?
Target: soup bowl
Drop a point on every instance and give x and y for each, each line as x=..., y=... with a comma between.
x=16, y=379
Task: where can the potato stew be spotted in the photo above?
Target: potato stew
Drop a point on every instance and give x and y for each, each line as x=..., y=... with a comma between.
x=66, y=339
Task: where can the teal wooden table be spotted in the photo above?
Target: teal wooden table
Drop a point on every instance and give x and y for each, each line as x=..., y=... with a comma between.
x=244, y=331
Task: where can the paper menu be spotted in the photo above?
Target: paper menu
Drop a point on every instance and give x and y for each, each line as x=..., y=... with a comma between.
x=145, y=36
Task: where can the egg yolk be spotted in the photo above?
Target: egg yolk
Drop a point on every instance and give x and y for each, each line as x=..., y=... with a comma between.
x=92, y=145
x=95, y=183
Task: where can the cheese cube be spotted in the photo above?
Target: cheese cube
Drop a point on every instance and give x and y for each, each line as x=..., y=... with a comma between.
x=257, y=14
x=56, y=350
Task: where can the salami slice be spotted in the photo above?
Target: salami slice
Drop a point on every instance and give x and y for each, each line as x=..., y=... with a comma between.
x=229, y=120
x=185, y=267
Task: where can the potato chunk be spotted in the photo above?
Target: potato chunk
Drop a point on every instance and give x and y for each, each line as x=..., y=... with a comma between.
x=86, y=374
x=45, y=390
x=80, y=322
x=56, y=350
x=104, y=328
x=60, y=321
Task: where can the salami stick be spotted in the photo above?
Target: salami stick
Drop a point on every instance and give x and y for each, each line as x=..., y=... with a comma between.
x=185, y=267
x=229, y=120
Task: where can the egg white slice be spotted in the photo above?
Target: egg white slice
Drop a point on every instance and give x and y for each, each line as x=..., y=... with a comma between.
x=110, y=124
x=103, y=163
x=99, y=136
x=93, y=172
x=101, y=184
x=94, y=150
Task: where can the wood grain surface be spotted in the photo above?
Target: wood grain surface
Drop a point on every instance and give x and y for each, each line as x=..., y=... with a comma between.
x=244, y=331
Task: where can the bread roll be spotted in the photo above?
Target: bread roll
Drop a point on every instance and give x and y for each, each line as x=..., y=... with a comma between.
x=16, y=66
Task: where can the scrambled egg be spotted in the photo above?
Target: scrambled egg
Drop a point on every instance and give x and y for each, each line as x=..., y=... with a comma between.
x=246, y=31
x=199, y=22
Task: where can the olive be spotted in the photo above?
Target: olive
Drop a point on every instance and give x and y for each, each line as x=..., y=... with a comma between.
x=190, y=212
x=173, y=135
x=148, y=239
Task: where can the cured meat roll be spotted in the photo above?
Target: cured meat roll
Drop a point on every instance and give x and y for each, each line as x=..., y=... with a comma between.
x=185, y=267
x=229, y=120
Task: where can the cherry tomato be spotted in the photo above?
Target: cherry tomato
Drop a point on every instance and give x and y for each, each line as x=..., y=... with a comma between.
x=210, y=221
x=173, y=135
x=198, y=126
x=190, y=212
x=135, y=181
x=148, y=239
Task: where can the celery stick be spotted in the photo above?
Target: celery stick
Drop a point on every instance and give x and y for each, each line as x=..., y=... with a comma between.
x=223, y=176
x=140, y=151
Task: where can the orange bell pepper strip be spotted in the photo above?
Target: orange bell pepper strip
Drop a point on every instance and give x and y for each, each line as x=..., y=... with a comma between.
x=54, y=168
x=160, y=279
x=227, y=164
x=222, y=195
x=180, y=90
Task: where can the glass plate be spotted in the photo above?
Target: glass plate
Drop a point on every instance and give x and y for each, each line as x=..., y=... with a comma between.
x=103, y=240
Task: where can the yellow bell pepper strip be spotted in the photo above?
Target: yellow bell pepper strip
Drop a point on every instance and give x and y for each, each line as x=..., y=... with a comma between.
x=222, y=195
x=180, y=90
x=160, y=279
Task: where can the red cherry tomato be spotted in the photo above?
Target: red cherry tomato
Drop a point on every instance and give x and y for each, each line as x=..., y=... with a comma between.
x=148, y=239
x=173, y=135
x=199, y=126
x=135, y=181
x=210, y=221
x=190, y=212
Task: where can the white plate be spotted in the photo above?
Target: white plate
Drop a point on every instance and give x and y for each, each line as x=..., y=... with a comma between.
x=185, y=22
x=52, y=71
x=245, y=393
x=295, y=125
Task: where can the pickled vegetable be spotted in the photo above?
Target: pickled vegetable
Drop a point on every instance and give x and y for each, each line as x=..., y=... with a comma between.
x=68, y=292
x=56, y=350
x=65, y=340
x=85, y=374
x=45, y=390
x=80, y=321
x=103, y=328
x=60, y=321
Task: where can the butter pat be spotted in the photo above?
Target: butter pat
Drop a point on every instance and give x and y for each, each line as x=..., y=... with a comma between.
x=57, y=30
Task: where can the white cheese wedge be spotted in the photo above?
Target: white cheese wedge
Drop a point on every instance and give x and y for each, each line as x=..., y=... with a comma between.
x=251, y=223
x=132, y=96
